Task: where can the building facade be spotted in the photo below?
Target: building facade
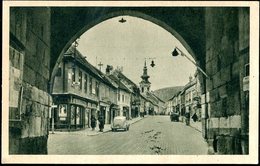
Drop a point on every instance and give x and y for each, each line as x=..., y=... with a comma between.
x=135, y=93
x=123, y=97
x=80, y=91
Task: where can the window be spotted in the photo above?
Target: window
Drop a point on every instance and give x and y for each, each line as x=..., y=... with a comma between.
x=123, y=98
x=73, y=74
x=90, y=85
x=142, y=89
x=80, y=79
x=97, y=88
x=118, y=97
x=86, y=83
x=94, y=87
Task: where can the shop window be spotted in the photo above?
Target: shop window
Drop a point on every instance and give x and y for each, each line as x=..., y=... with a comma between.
x=78, y=117
x=73, y=115
x=63, y=112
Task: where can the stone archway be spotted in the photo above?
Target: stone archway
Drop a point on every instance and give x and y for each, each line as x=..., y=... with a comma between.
x=132, y=13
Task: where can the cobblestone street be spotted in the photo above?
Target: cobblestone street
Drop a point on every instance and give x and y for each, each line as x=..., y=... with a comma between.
x=151, y=135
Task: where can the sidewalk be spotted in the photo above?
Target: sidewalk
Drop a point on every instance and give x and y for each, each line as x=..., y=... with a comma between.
x=89, y=132
x=196, y=125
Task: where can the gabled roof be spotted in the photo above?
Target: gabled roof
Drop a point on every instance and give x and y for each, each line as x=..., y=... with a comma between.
x=175, y=95
x=189, y=84
x=75, y=54
x=106, y=79
x=124, y=77
x=119, y=83
x=157, y=97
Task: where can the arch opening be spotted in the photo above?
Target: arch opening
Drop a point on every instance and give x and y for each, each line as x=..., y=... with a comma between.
x=130, y=13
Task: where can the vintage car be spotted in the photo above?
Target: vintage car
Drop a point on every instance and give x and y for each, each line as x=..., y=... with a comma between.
x=120, y=122
x=174, y=116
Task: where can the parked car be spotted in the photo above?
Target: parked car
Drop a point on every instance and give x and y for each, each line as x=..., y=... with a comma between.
x=174, y=116
x=120, y=122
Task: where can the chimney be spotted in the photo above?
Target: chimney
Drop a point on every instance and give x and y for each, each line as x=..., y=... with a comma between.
x=190, y=78
x=108, y=69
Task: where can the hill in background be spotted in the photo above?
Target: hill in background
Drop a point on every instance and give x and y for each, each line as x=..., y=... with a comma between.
x=166, y=93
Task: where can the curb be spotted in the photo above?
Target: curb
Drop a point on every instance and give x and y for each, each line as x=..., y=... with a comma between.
x=195, y=128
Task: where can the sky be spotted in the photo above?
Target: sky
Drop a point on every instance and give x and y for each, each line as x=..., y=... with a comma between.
x=129, y=44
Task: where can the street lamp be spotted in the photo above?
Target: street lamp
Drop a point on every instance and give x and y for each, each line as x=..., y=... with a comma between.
x=176, y=53
x=152, y=62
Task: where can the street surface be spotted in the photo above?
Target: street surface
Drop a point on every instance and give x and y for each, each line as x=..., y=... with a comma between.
x=151, y=135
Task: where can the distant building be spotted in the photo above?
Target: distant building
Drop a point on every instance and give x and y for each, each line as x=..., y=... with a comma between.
x=154, y=105
x=187, y=100
x=189, y=90
x=107, y=98
x=123, y=97
x=135, y=93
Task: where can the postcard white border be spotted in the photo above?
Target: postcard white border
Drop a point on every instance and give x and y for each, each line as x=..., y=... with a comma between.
x=166, y=159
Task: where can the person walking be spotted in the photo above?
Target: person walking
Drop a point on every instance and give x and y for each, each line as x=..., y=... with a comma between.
x=194, y=117
x=93, y=122
x=101, y=122
x=187, y=117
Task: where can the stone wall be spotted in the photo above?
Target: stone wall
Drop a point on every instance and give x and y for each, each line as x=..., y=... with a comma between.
x=30, y=28
x=227, y=31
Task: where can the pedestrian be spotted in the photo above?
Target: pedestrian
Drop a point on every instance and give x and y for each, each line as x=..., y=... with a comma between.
x=187, y=117
x=194, y=117
x=101, y=122
x=93, y=122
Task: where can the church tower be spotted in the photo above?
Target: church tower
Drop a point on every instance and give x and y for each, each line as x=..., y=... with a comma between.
x=145, y=84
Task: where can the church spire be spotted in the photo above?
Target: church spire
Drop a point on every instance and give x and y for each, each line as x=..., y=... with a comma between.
x=145, y=84
x=145, y=75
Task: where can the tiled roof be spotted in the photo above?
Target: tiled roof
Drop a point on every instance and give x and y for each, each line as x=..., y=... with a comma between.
x=81, y=59
x=125, y=77
x=119, y=83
